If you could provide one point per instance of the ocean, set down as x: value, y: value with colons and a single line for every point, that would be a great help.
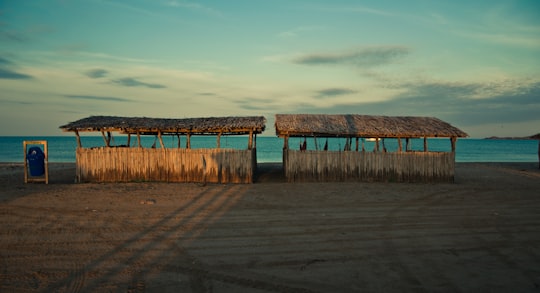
x: 269, y: 149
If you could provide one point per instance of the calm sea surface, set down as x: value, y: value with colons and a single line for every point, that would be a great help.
x: 62, y: 148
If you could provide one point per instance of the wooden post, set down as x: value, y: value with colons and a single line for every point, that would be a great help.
x: 250, y: 142
x: 407, y: 146
x: 363, y: 145
x: 79, y: 145
x: 425, y: 144
x: 160, y: 139
x: 139, y: 138
x: 188, y: 140
x: 539, y: 154
x: 316, y: 145
x: 453, y: 143
x: 357, y: 144
x: 399, y: 144
x: 104, y: 138
x: 218, y: 140
x: 109, y: 138
x: 377, y: 144
x: 178, y: 135
x: 129, y: 140
x: 286, y: 143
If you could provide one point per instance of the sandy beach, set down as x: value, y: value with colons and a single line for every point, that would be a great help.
x: 479, y: 234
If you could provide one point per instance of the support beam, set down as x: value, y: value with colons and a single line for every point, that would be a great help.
x: 105, y: 138
x: 218, y: 140
x: 286, y: 143
x: 139, y: 139
x: 188, y: 140
x: 399, y: 144
x: 129, y: 140
x: 425, y: 144
x: 79, y: 145
x: 160, y: 139
x: 250, y: 143
x: 407, y: 145
x: 453, y: 143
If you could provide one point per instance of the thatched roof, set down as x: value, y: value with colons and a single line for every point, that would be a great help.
x: 144, y: 125
x: 351, y: 125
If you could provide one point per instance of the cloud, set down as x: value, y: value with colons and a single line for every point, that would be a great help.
x: 130, y: 82
x: 457, y: 103
x: 297, y: 30
x: 194, y: 6
x: 363, y: 58
x: 7, y: 73
x: 96, y: 73
x: 98, y: 98
x: 332, y: 92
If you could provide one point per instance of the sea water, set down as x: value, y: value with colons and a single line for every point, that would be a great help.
x: 269, y: 149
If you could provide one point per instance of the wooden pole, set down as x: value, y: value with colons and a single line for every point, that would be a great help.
x: 425, y: 144
x: 218, y: 140
x: 178, y: 135
x: 357, y: 144
x: 539, y: 154
x: 453, y: 143
x: 160, y: 139
x: 407, y: 146
x: 79, y: 145
x: 129, y: 140
x: 316, y: 145
x: 104, y: 138
x: 377, y: 144
x: 250, y: 143
x: 188, y: 140
x: 109, y: 138
x: 286, y: 143
x: 139, y: 138
x: 399, y: 144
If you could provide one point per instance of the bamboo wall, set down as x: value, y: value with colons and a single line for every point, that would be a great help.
x: 165, y: 164
x: 300, y: 166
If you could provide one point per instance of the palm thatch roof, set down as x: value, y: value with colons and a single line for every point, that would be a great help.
x: 151, y: 126
x: 352, y: 125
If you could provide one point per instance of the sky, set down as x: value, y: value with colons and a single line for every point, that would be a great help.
x: 474, y: 64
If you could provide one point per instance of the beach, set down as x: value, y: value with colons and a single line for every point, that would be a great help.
x: 479, y: 234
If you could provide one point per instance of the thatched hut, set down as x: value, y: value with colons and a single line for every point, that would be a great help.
x: 355, y: 163
x: 125, y: 163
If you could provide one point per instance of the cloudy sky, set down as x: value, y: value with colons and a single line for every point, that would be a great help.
x: 475, y: 64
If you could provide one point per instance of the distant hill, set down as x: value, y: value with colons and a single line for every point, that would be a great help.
x: 535, y: 136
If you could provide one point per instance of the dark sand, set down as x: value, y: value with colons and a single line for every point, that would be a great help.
x: 480, y: 234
